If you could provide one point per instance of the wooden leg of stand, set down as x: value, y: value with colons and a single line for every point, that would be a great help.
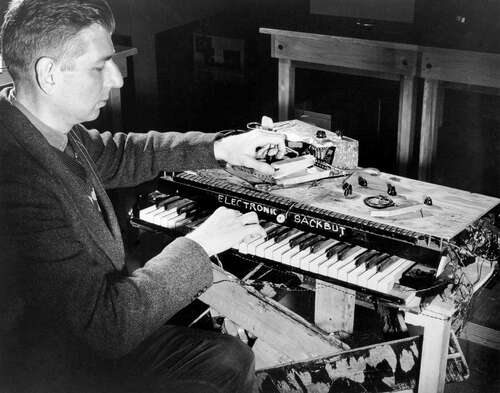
x: 286, y: 89
x: 434, y: 355
x: 334, y: 308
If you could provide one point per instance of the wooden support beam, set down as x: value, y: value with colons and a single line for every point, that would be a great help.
x: 286, y: 89
x: 459, y: 66
x: 432, y: 116
x: 334, y: 308
x: 268, y: 320
x: 481, y: 335
x: 406, y: 123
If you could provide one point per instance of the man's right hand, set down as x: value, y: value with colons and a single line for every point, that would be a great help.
x: 226, y: 228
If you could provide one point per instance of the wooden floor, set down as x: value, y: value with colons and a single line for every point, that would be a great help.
x: 483, y: 351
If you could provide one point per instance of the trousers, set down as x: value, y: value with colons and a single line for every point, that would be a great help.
x: 177, y: 359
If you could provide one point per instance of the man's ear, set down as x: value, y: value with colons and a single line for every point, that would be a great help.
x: 45, y: 69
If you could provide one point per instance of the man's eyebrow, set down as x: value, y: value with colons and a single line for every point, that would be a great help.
x: 106, y: 58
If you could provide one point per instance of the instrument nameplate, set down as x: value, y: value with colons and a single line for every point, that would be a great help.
x: 282, y: 216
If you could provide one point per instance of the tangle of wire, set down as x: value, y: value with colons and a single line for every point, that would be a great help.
x: 480, y: 240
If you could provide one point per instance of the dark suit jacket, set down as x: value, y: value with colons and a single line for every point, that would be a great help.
x: 64, y: 284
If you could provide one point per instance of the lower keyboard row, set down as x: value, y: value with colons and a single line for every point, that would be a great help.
x: 311, y: 253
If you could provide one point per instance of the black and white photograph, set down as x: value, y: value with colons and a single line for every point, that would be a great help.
x: 249, y: 196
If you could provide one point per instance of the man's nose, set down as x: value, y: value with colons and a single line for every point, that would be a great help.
x: 114, y: 77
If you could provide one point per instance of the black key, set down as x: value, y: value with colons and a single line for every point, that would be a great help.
x: 295, y: 236
x: 336, y: 248
x: 282, y: 230
x: 277, y: 232
x: 168, y: 200
x: 175, y: 204
x: 318, y: 245
x: 273, y: 231
x: 308, y: 242
x: 376, y: 260
x: 365, y: 257
x: 266, y: 224
x: 192, y: 212
x: 298, y: 239
x: 187, y: 207
x: 342, y: 254
x: 157, y: 198
x: 284, y: 235
x: 386, y: 263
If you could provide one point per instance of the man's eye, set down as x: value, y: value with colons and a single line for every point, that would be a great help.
x: 99, y: 68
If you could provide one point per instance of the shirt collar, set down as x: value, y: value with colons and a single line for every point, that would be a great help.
x: 55, y: 138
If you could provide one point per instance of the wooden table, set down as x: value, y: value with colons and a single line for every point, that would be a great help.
x: 454, y: 69
x: 378, y: 59
x: 439, y: 68
x: 114, y: 102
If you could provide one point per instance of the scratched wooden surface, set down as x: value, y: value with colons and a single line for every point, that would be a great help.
x: 452, y: 210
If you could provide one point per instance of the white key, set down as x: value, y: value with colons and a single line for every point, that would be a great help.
x: 287, y: 256
x: 252, y: 245
x: 340, y: 270
x: 306, y: 262
x: 151, y: 215
x: 324, y: 266
x: 243, y: 247
x: 161, y: 219
x: 297, y: 258
x: 143, y: 213
x: 373, y: 282
x: 363, y: 278
x: 278, y: 252
x: 261, y: 248
x: 183, y: 223
x: 315, y: 263
x: 268, y: 253
x: 386, y: 284
x: 172, y: 223
x: 333, y: 260
x: 353, y: 275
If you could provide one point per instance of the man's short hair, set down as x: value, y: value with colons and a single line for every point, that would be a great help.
x: 36, y: 28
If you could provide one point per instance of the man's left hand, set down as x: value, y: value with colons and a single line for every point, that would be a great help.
x: 246, y: 149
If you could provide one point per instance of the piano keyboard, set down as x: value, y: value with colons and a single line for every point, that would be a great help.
x: 335, y: 261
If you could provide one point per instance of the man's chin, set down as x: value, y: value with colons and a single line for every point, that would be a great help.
x: 93, y: 115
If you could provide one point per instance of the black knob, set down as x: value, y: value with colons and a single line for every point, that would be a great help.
x: 320, y: 134
x: 280, y: 46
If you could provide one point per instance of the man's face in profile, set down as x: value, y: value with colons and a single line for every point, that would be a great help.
x: 84, y: 83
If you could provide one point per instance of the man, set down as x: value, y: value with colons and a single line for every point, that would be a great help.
x: 73, y: 318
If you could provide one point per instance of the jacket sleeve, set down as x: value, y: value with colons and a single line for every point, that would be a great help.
x: 76, y: 286
x: 129, y: 159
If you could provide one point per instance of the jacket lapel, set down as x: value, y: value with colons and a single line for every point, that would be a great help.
x: 110, y: 242
x: 107, y: 208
